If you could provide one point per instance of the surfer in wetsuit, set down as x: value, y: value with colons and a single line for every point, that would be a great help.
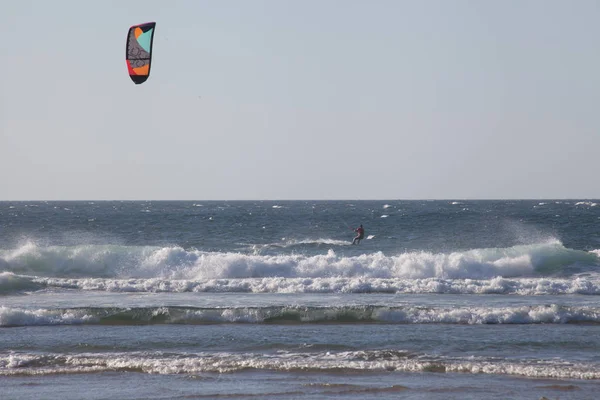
x: 360, y: 234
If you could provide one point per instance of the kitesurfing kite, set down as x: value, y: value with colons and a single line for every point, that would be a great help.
x: 139, y: 51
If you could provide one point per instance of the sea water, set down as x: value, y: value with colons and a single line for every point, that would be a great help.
x: 269, y: 299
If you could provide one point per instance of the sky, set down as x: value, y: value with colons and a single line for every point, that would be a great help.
x: 311, y: 99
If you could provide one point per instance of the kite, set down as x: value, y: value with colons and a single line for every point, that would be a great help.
x: 139, y: 51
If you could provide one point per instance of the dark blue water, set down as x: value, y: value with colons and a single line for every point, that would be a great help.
x: 222, y: 225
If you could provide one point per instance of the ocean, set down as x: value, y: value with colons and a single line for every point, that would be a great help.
x: 454, y: 299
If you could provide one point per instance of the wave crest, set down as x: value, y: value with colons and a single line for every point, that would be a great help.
x: 321, y: 362
x: 549, y: 314
x: 175, y: 263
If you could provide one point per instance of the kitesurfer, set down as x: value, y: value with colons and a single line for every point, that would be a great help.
x: 360, y: 235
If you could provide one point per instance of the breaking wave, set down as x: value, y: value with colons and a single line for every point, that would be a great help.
x: 547, y: 268
x: 546, y: 314
x: 323, y: 362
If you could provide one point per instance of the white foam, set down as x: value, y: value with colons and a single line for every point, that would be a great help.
x: 550, y: 314
x: 586, y: 203
x: 544, y: 286
x: 320, y: 241
x: 22, y: 317
x: 176, y: 263
x: 221, y: 362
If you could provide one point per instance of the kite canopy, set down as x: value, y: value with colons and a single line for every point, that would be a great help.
x: 139, y: 51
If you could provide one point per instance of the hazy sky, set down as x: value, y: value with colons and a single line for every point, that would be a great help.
x: 306, y: 99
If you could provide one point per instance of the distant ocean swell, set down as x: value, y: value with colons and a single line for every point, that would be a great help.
x: 22, y: 363
x: 547, y: 314
x: 122, y: 262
